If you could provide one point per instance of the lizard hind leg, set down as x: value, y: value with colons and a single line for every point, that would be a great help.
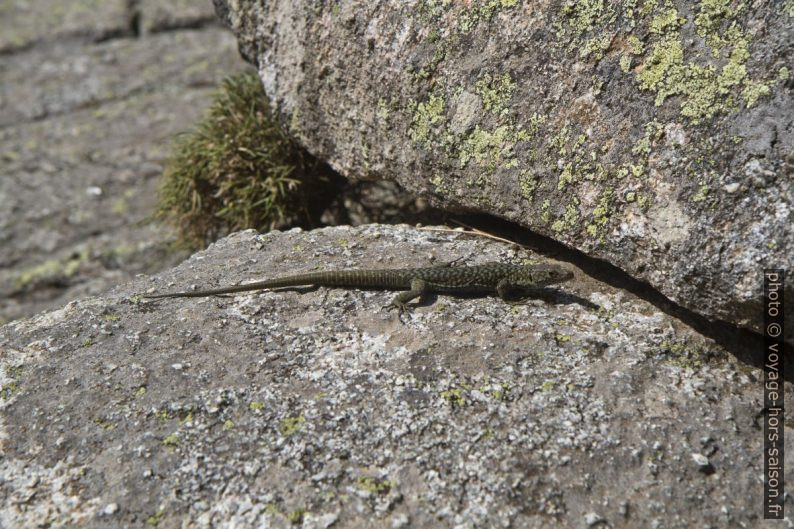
x: 400, y: 301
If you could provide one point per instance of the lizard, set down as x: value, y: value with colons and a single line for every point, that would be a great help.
x: 416, y: 282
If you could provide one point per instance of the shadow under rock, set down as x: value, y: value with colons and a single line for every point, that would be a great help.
x: 746, y: 345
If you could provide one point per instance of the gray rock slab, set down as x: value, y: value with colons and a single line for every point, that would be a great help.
x: 24, y: 23
x: 85, y: 129
x: 317, y: 408
x: 657, y: 136
x: 160, y: 16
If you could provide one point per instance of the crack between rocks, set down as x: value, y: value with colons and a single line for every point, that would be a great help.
x: 745, y: 345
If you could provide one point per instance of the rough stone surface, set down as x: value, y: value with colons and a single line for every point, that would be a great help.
x: 25, y: 24
x: 86, y: 118
x: 317, y: 408
x: 656, y: 135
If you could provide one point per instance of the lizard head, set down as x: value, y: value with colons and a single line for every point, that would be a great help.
x: 548, y: 274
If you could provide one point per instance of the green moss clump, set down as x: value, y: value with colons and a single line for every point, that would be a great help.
x: 238, y: 169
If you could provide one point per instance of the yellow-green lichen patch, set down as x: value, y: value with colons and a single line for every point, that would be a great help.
x: 154, y: 520
x: 454, y: 397
x: 559, y: 141
x: 104, y: 423
x: 783, y: 73
x: 290, y: 425
x: 636, y: 46
x: 12, y: 386
x: 569, y: 219
x: 566, y: 176
x: 625, y: 63
x: 478, y: 10
x: 374, y: 485
x: 706, y: 89
x: 701, y: 194
x: 601, y: 213
x: 491, y: 148
x: 423, y: 116
x: 685, y: 355
x: 753, y: 91
x: 171, y: 440
x: 295, y: 517
x: 705, y: 93
x: 255, y: 405
x: 527, y: 183
x: 666, y: 21
x: 52, y: 270
x: 712, y: 15
x: 544, y: 211
x: 438, y: 183
x: 665, y: 55
x: 495, y: 92
x: 9, y: 390
x: 535, y: 121
x: 584, y: 15
x: 653, y: 131
x: 496, y: 391
x: 596, y: 47
x: 384, y: 110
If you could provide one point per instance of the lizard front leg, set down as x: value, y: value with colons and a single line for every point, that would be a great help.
x: 504, y: 288
x: 418, y: 289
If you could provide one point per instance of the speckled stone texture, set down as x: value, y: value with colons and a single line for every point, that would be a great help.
x: 91, y: 95
x: 317, y: 408
x: 655, y: 135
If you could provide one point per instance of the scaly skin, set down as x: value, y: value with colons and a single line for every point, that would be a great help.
x: 481, y: 279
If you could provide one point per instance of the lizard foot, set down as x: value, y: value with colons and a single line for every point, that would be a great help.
x: 399, y: 306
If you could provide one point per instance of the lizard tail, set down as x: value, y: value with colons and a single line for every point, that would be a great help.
x: 345, y: 278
